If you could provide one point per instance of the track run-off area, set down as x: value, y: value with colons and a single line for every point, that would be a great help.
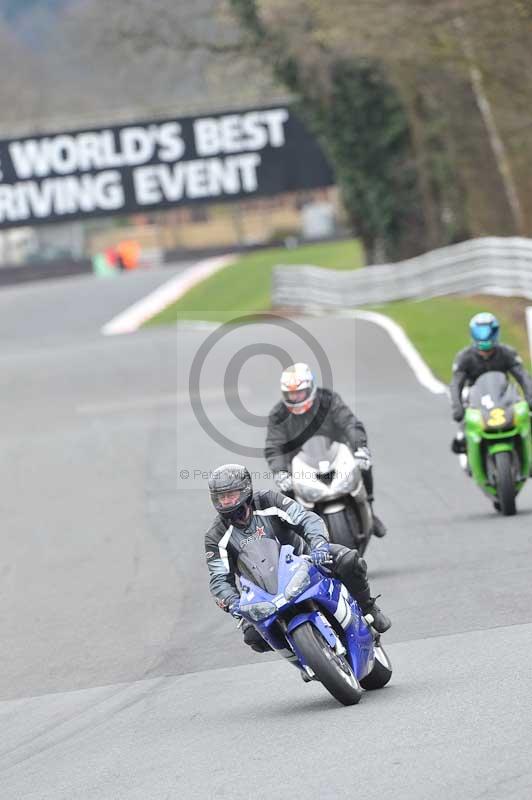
x: 120, y: 678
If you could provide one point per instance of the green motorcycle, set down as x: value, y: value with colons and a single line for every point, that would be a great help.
x: 498, y: 439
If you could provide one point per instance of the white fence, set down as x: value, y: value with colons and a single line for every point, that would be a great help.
x: 529, y: 329
x: 490, y: 265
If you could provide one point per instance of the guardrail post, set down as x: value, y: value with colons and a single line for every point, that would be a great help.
x: 529, y: 328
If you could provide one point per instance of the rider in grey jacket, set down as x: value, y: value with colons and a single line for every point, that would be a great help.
x: 245, y: 516
x: 471, y: 363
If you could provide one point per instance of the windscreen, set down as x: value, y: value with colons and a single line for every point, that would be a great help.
x: 493, y: 390
x: 259, y: 562
x: 319, y: 448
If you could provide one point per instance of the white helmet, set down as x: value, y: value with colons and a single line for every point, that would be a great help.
x: 299, y: 388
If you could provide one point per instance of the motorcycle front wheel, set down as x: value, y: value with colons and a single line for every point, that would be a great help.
x: 330, y: 669
x: 505, y: 483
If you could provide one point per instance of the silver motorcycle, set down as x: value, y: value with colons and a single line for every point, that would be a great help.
x: 327, y: 479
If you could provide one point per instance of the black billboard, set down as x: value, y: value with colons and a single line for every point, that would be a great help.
x: 147, y: 166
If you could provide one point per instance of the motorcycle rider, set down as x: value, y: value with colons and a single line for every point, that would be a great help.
x: 245, y: 515
x: 307, y: 410
x: 485, y: 354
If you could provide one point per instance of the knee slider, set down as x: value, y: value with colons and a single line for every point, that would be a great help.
x: 253, y: 638
x: 250, y: 635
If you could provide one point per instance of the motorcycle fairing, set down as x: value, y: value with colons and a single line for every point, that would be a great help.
x: 497, y: 420
x: 327, y: 594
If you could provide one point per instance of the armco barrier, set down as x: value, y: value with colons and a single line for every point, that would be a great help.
x: 42, y: 271
x: 493, y: 265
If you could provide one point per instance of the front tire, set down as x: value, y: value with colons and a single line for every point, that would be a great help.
x: 505, y: 483
x: 381, y: 672
x: 331, y: 669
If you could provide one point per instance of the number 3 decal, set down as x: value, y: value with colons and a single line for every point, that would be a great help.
x: 497, y: 417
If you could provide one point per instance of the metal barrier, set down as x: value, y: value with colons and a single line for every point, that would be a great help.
x: 43, y: 270
x: 492, y: 265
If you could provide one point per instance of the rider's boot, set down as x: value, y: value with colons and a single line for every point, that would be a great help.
x: 379, y: 529
x: 375, y: 617
x: 458, y: 445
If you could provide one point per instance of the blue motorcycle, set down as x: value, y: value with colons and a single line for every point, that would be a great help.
x: 311, y: 620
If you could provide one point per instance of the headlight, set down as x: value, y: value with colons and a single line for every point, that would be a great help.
x: 258, y: 611
x: 474, y: 417
x: 311, y: 490
x: 346, y: 483
x: 521, y: 413
x: 298, y: 583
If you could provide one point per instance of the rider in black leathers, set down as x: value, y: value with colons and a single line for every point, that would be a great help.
x: 307, y: 411
x: 484, y: 355
x: 245, y: 515
x: 470, y: 364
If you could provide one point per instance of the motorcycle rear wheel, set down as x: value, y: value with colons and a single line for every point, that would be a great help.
x: 505, y: 483
x: 331, y: 669
x: 381, y: 672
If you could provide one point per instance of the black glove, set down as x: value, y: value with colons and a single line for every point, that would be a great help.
x: 458, y: 414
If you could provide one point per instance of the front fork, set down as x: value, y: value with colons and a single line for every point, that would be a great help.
x: 322, y: 625
x: 481, y: 471
x: 478, y: 440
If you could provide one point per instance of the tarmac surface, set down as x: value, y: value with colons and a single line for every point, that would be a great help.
x: 120, y: 678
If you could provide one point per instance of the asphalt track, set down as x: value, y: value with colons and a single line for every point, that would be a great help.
x: 121, y: 680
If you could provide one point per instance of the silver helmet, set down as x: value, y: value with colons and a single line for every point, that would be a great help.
x: 299, y: 388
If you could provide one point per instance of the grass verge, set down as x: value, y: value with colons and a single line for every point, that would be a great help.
x: 439, y: 327
x: 245, y: 286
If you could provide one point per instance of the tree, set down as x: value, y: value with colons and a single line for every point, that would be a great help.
x: 479, y: 52
x: 19, y: 94
x: 358, y: 118
x: 422, y: 105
